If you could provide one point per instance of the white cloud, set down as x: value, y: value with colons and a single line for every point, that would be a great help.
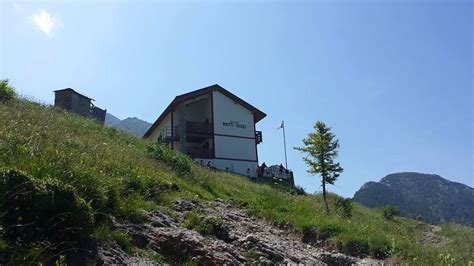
x: 17, y: 6
x: 46, y: 22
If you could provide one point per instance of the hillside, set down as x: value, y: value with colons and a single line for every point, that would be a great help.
x: 430, y: 197
x: 132, y: 125
x: 72, y: 190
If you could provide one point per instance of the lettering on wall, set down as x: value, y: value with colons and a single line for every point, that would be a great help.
x: 234, y: 124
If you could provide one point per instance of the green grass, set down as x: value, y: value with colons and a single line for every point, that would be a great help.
x: 204, y: 225
x: 3, y: 245
x: 114, y: 173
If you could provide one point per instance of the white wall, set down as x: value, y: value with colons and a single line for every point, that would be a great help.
x: 165, y: 123
x: 239, y: 167
x: 231, y: 118
x: 235, y: 148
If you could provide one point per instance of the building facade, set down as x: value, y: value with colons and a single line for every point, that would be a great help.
x: 77, y: 103
x: 214, y: 126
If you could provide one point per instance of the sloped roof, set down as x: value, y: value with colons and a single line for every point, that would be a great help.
x: 71, y: 90
x: 258, y: 115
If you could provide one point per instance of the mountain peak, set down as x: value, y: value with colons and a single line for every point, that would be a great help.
x: 430, y: 196
x: 132, y: 125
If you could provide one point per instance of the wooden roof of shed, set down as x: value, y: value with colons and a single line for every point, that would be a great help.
x: 71, y: 90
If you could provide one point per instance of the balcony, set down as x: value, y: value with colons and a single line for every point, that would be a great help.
x: 168, y: 134
x: 258, y: 137
x: 198, y: 131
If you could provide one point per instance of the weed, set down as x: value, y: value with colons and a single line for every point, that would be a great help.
x: 179, y: 162
x: 205, y: 225
x: 123, y: 240
x: 151, y: 255
x: 3, y: 245
x: 343, y: 207
x: 42, y: 210
x: 60, y: 261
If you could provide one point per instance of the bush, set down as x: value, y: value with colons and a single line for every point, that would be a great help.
x: 329, y: 230
x: 123, y: 240
x: 344, y: 207
x: 293, y: 190
x: 36, y: 211
x: 313, y: 233
x: 177, y: 161
x: 379, y: 247
x: 7, y: 93
x: 310, y: 234
x: 355, y: 247
x: 206, y: 225
x: 3, y: 245
x: 390, y: 211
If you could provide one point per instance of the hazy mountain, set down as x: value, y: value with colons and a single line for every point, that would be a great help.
x: 132, y: 125
x: 434, y: 198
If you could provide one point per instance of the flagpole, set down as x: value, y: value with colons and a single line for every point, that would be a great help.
x: 284, y: 143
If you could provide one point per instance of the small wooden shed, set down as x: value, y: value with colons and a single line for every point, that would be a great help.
x: 77, y: 103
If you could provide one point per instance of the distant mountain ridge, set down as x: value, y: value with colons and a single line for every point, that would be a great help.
x: 432, y: 197
x: 131, y: 125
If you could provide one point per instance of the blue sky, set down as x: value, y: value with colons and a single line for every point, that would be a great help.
x: 392, y: 78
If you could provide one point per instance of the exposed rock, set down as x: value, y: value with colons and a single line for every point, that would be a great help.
x: 432, y: 236
x: 110, y: 253
x: 429, y: 198
x: 249, y: 240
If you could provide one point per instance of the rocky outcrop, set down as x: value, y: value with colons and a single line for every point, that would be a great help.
x: 428, y: 197
x: 248, y: 240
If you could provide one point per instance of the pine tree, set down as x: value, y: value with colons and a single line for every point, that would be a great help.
x: 321, y: 148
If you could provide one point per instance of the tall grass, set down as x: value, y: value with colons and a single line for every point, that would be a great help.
x: 115, y: 173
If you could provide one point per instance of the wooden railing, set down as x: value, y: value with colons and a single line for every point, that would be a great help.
x: 168, y: 134
x: 199, y: 128
x: 258, y: 137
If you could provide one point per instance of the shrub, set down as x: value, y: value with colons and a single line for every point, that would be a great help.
x: 329, y: 230
x: 310, y: 234
x: 390, y: 211
x: 7, y: 93
x: 313, y: 233
x: 299, y: 190
x: 131, y: 208
x: 206, y: 225
x: 123, y: 240
x: 293, y: 190
x: 379, y: 247
x: 355, y: 247
x: 3, y: 245
x: 344, y: 207
x: 177, y: 161
x: 42, y: 211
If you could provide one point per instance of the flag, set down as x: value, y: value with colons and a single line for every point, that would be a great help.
x: 282, y: 125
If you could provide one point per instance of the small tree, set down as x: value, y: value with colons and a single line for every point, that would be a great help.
x: 321, y: 149
x: 6, y: 91
x: 390, y: 211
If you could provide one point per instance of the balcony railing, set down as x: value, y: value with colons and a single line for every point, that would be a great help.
x: 258, y: 137
x: 199, y: 128
x: 168, y: 134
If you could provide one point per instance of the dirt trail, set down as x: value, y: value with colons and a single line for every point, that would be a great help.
x: 432, y: 236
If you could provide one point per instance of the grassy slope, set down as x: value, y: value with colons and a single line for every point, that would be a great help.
x: 102, y: 163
